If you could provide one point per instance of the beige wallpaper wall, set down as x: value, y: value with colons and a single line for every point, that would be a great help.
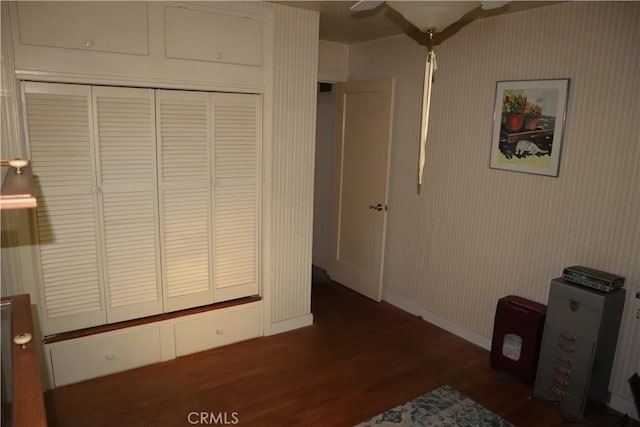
x: 294, y: 115
x: 476, y: 234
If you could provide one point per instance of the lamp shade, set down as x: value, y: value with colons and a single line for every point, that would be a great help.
x: 433, y: 15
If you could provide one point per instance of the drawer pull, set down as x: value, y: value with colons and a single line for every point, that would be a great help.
x: 567, y: 348
x: 567, y: 336
x: 219, y: 331
x: 574, y: 305
x: 560, y: 381
x: 565, y: 359
x: 558, y: 392
x: 562, y: 370
x: 109, y: 356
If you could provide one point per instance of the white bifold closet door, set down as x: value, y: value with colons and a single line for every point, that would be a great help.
x: 209, y: 168
x: 93, y: 154
x: 149, y: 200
x: 236, y: 196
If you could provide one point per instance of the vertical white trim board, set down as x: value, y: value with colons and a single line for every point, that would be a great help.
x: 290, y: 324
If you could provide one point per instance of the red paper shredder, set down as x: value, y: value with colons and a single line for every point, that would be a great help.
x: 517, y: 336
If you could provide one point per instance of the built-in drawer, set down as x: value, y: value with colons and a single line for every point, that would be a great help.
x: 97, y: 355
x: 217, y: 328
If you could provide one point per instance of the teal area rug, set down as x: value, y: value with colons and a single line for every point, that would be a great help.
x: 444, y: 406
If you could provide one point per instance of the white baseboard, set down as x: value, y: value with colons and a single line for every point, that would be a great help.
x: 623, y: 406
x: 616, y: 402
x: 290, y: 324
x: 413, y: 308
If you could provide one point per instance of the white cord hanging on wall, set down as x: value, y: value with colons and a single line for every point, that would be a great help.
x: 429, y: 70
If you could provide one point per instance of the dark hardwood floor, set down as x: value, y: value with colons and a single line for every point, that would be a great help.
x: 357, y: 360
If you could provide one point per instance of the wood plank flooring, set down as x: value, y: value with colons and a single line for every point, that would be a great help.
x: 358, y: 359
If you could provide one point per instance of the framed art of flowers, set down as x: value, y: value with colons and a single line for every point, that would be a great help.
x: 528, y: 125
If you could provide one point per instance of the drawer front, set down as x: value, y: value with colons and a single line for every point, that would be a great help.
x: 567, y: 349
x: 575, y: 308
x: 91, y: 357
x: 217, y: 328
x: 566, y: 378
x: 570, y: 403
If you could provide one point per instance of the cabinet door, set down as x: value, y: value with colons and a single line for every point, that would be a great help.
x: 59, y: 130
x: 236, y: 165
x: 125, y: 147
x: 184, y: 157
x: 102, y: 26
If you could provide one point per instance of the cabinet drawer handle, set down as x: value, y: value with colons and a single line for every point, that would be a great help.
x: 219, y: 331
x: 565, y: 359
x: 558, y: 392
x: 567, y: 336
x: 567, y: 348
x: 560, y: 381
x: 562, y: 370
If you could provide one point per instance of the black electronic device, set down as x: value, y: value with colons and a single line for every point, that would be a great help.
x: 634, y: 383
x: 592, y: 278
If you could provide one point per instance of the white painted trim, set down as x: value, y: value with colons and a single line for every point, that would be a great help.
x: 290, y: 324
x: 411, y: 307
x: 623, y: 406
x: 267, y: 175
x: 96, y: 79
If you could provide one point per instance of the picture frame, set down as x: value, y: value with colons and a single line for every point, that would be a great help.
x: 528, y: 125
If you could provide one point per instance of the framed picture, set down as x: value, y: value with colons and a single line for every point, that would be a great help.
x: 528, y: 125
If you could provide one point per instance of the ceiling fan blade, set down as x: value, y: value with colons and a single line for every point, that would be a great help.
x: 488, y: 5
x: 366, y: 5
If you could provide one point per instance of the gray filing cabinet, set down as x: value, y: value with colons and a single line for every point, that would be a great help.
x: 578, y: 346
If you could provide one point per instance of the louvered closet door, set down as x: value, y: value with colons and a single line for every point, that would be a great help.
x: 124, y: 121
x: 183, y: 129
x: 60, y: 138
x: 236, y: 166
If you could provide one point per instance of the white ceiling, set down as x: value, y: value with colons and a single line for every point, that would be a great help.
x: 339, y: 24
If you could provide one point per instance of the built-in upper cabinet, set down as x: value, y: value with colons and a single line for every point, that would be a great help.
x: 119, y: 27
x: 212, y: 36
x: 218, y: 46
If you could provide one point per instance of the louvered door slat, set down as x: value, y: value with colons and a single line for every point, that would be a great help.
x: 125, y: 143
x: 59, y: 131
x: 185, y: 191
x: 236, y: 170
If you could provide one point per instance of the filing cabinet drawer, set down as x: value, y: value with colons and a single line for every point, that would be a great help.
x: 555, y: 372
x: 573, y: 354
x: 547, y: 391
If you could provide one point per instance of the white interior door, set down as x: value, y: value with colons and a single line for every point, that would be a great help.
x: 361, y: 174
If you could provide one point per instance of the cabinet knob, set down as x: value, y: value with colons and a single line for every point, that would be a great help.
x: 219, y: 331
x: 22, y: 339
x: 88, y: 43
x: 109, y: 356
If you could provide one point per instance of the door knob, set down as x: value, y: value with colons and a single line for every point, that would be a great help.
x: 378, y: 207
